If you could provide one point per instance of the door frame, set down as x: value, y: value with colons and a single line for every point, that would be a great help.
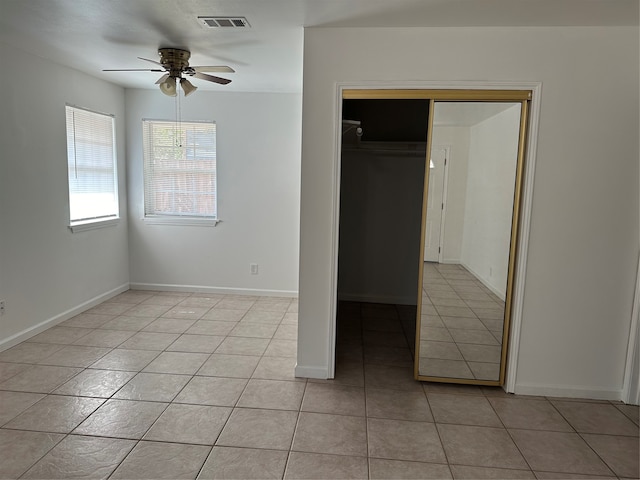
x: 525, y: 202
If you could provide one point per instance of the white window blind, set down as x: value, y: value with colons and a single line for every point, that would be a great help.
x: 179, y: 169
x: 91, y: 159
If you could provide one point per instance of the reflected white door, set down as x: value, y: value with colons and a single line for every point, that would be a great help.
x: 435, y: 205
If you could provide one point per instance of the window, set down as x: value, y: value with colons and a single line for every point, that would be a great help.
x: 179, y: 170
x: 91, y: 160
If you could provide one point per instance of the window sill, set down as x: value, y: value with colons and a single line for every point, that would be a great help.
x: 182, y: 221
x: 93, y: 224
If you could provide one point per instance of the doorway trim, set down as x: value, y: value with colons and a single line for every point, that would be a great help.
x: 525, y: 204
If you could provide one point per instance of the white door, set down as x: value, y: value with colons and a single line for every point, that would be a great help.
x: 435, y: 204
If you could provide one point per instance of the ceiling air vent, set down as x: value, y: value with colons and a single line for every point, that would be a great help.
x: 224, y: 22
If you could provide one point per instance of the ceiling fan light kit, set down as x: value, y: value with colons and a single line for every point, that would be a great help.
x: 175, y: 64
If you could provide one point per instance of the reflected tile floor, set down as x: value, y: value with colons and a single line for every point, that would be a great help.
x: 188, y: 385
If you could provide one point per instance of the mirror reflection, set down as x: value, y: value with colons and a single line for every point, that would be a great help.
x: 468, y: 227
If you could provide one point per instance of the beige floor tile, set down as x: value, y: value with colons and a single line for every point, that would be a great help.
x: 435, y: 367
x: 152, y: 311
x: 398, y: 405
x: 88, y: 320
x: 243, y: 346
x: 121, y: 419
x: 596, y: 418
x: 197, y: 424
x: 211, y: 327
x: 95, y: 383
x: 463, y: 410
x: 229, y: 303
x: 485, y: 371
x: 282, y: 348
x: 60, y: 335
x: 558, y: 452
x: 480, y: 353
x: 334, y: 399
x: 318, y: 466
x: 620, y: 453
x: 255, y: 330
x: 291, y: 317
x: 465, y: 312
x: 224, y: 315
x: 169, y: 325
x: 632, y: 412
x: 150, y: 341
x: 391, y: 356
x: 441, y: 350
x: 104, y: 338
x: 462, y: 323
x: 237, y: 366
x: 28, y: 353
x: 571, y: 476
x: 166, y: 300
x: 480, y: 446
x: 55, y: 413
x: 14, y: 403
x: 124, y: 359
x: 461, y: 472
x: 277, y: 368
x: 110, y: 308
x: 263, y: 316
x: 75, y: 356
x: 196, y: 343
x: 81, y: 457
x: 395, y: 378
x: 131, y: 296
x: 529, y: 414
x: 451, y: 388
x: 347, y: 373
x: 383, y: 469
x: 384, y: 339
x: 272, y: 394
x: 155, y: 460
x: 331, y: 434
x: 186, y: 312
x: 436, y: 334
x: 222, y: 392
x: 287, y: 332
x: 157, y: 387
x: 8, y: 370
x: 255, y: 428
x: 177, y: 362
x: 479, y: 337
x: 127, y: 322
x: 204, y: 300
x: 20, y: 450
x: 39, y: 379
x: 404, y: 440
x: 245, y: 463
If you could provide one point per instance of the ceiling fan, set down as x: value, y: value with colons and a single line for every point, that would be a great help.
x: 175, y: 63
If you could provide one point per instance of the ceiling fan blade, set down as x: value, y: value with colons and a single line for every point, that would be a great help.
x: 152, y: 61
x: 134, y: 70
x: 211, y: 78
x: 220, y: 69
x: 162, y: 79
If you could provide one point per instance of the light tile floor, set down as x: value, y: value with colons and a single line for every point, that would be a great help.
x: 461, y: 325
x: 158, y: 385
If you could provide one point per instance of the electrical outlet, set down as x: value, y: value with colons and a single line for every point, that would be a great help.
x: 253, y: 268
x: 2, y: 307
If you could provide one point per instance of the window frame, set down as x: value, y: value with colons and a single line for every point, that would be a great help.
x: 187, y: 219
x: 97, y: 221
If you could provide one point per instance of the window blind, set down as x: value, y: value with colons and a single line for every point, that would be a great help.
x: 91, y: 161
x: 180, y: 169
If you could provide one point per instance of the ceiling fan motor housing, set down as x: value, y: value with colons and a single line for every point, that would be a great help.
x: 175, y: 61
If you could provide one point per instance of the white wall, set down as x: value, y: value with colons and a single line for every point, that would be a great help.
x: 258, y: 159
x: 47, y: 272
x: 584, y: 224
x: 493, y: 158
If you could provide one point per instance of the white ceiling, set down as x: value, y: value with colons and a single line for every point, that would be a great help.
x: 91, y: 35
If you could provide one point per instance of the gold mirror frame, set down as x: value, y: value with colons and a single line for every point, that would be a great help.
x: 472, y: 95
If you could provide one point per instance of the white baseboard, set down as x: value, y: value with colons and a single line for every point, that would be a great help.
x: 163, y: 287
x: 311, y: 372
x: 499, y: 293
x: 576, y: 391
x: 66, y: 315
x: 373, y: 298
